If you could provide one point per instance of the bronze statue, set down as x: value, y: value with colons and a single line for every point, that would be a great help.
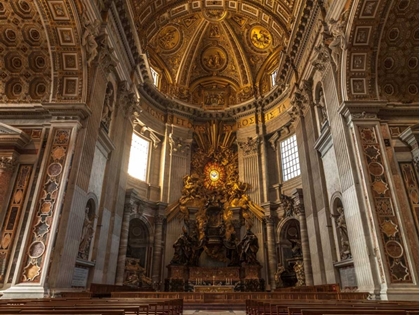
x: 248, y: 249
x: 183, y: 250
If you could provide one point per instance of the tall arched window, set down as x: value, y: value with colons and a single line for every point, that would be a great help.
x: 139, y: 157
x: 289, y: 158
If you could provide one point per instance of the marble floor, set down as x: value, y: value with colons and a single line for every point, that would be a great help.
x: 212, y: 312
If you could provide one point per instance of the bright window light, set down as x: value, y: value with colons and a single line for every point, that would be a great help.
x: 139, y: 157
x: 289, y: 158
x: 155, y: 76
x: 273, y: 77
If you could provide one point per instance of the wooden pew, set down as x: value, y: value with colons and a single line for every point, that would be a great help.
x: 293, y: 307
x: 131, y: 306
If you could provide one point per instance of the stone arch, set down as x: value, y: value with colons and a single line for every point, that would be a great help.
x: 61, y: 21
x: 289, y: 250
x: 138, y: 255
x: 366, y: 76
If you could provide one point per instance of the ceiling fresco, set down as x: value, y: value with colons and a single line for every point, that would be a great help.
x: 213, y: 54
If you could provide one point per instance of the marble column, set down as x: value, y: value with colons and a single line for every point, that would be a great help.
x: 272, y: 259
x: 299, y: 211
x: 158, y: 246
x: 128, y: 210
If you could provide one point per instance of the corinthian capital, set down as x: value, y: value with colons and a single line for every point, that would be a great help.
x: 250, y: 146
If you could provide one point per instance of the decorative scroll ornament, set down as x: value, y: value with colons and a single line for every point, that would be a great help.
x: 286, y: 203
x: 250, y: 146
x: 273, y: 140
x: 321, y: 58
x: 7, y: 163
x: 298, y: 104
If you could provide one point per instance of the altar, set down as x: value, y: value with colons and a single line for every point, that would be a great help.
x: 214, y: 288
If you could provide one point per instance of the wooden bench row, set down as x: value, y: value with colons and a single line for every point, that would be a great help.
x: 93, y: 306
x: 317, y: 307
x: 334, y: 287
x: 233, y: 297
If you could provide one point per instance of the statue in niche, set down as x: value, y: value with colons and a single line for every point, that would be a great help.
x: 296, y: 247
x: 248, y: 248
x: 183, y: 250
x: 108, y: 107
x: 340, y: 222
x: 87, y: 234
x: 321, y: 106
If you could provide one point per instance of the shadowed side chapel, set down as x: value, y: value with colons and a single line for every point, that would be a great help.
x: 209, y: 146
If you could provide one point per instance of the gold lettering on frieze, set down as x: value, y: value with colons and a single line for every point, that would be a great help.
x: 183, y: 122
x: 249, y: 121
x: 154, y: 113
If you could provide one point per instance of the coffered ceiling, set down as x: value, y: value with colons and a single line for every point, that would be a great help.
x: 213, y: 54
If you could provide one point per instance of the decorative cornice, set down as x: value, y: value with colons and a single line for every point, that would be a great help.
x: 13, y: 137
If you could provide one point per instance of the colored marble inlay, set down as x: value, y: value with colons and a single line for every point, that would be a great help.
x: 40, y: 238
x: 391, y: 239
x: 13, y: 214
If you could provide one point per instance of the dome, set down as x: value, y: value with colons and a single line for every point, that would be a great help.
x: 213, y: 54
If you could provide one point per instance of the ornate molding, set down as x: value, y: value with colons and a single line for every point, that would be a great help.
x: 321, y: 58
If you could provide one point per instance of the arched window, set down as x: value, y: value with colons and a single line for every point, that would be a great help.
x: 289, y: 158
x: 139, y: 157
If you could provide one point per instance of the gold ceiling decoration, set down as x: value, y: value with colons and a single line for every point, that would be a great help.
x: 213, y: 55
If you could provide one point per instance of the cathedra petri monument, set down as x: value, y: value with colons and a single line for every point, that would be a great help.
x: 210, y: 255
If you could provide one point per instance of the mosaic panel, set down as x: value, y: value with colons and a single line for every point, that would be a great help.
x: 391, y: 239
x: 39, y: 239
x: 14, y: 211
x: 412, y: 188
